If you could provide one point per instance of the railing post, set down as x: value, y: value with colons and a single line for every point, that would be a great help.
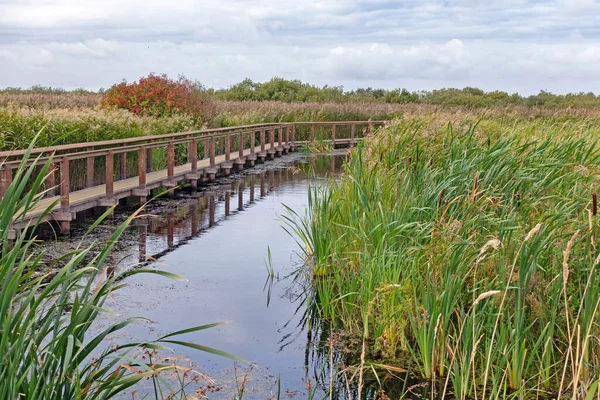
x: 171, y: 160
x: 149, y: 160
x: 287, y: 135
x: 280, y: 135
x: 333, y: 131
x: 194, y: 155
x: 123, y: 164
x: 89, y: 182
x: 252, y: 141
x: 3, y: 187
x: 142, y: 173
x: 352, y: 133
x: 110, y: 178
x: 262, y: 140
x: 272, y: 138
x: 64, y: 184
x: 211, y: 147
x: 241, y: 145
x: 6, y: 176
x: 51, y: 180
x: 65, y: 203
x: 227, y: 147
x: 312, y: 133
x: 6, y: 179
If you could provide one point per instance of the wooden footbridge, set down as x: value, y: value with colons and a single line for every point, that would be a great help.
x: 83, y: 176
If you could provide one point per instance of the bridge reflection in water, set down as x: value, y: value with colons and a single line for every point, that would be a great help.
x: 174, y: 222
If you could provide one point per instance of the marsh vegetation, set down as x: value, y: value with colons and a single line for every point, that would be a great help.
x: 465, y: 256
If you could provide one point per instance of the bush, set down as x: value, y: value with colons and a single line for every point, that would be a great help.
x: 160, y: 96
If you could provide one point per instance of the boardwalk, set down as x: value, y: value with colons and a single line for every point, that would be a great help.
x: 223, y: 150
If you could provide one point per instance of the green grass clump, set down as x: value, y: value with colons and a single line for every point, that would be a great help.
x: 470, y: 250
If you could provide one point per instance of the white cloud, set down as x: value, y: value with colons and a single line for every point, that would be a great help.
x: 515, y: 45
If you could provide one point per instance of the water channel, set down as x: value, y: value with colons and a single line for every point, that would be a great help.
x: 219, y: 238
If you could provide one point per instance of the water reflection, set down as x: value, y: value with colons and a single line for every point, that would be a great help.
x: 219, y: 239
x: 195, y: 213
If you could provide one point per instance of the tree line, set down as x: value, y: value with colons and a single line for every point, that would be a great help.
x: 296, y: 91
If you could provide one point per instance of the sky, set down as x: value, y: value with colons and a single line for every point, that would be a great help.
x: 511, y: 45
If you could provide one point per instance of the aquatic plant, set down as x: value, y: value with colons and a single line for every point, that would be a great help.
x: 469, y: 248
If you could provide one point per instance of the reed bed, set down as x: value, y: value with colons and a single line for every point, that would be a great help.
x: 18, y: 127
x: 466, y: 254
x: 72, y: 117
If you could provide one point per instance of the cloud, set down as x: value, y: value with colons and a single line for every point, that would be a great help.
x: 513, y: 45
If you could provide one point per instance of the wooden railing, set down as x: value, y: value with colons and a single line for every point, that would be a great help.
x: 222, y: 148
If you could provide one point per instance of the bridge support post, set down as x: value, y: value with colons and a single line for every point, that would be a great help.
x: 280, y: 136
x: 241, y: 160
x: 226, y: 166
x: 333, y: 132
x: 51, y: 180
x: 271, y: 151
x: 227, y: 147
x: 262, y: 155
x: 123, y: 164
x: 109, y: 201
x: 141, y: 191
x: 65, y: 204
x: 89, y: 182
x: 211, y: 172
x: 6, y: 179
x: 252, y: 158
x: 170, y: 182
x: 149, y: 160
x: 193, y: 158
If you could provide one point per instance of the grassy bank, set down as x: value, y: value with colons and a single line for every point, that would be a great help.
x: 469, y: 251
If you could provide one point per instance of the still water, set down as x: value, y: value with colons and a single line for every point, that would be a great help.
x: 219, y: 239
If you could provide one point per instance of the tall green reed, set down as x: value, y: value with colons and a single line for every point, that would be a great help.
x: 470, y: 224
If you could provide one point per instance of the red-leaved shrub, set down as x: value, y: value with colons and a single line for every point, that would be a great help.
x: 159, y: 95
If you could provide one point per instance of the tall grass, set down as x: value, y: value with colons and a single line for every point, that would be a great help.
x: 48, y: 349
x: 469, y: 250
